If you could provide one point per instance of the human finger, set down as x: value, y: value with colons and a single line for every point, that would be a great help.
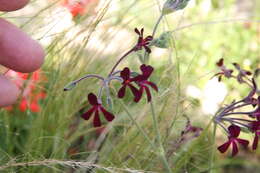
x: 8, y: 92
x: 12, y: 5
x: 18, y: 51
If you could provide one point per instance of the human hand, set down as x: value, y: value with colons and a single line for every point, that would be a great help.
x: 17, y: 52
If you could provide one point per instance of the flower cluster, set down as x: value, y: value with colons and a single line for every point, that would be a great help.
x: 233, y: 114
x: 31, y: 95
x: 138, y: 83
x: 141, y: 80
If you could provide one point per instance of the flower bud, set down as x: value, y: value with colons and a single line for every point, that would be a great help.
x: 171, y: 6
x: 163, y: 41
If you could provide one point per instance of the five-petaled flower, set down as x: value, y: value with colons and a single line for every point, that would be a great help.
x: 96, y: 108
x: 255, y: 127
x: 142, y: 81
x: 143, y: 42
x: 233, y: 139
x: 224, y: 71
x: 125, y: 74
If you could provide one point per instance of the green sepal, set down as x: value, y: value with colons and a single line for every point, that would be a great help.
x: 163, y: 41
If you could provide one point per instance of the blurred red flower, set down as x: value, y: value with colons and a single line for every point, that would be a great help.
x: 79, y: 7
x: 31, y: 94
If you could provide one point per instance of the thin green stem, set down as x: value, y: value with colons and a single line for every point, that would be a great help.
x: 137, y: 125
x: 121, y: 59
x: 146, y: 55
x: 212, y: 158
x: 158, y: 135
x: 156, y: 25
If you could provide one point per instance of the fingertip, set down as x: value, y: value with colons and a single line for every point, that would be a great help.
x: 8, y: 92
x: 33, y: 61
x: 12, y: 5
x: 18, y: 51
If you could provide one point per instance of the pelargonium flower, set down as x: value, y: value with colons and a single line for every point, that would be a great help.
x: 190, y: 132
x: 96, y: 108
x: 127, y: 82
x: 142, y: 81
x: 242, y: 73
x: 255, y: 127
x: 143, y: 42
x: 224, y: 71
x: 233, y: 139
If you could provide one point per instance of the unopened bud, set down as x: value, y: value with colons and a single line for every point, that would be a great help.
x: 171, y: 6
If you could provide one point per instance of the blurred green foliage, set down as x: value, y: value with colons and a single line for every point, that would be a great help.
x: 200, y: 35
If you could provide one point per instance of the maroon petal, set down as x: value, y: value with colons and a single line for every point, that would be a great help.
x: 219, y: 78
x: 147, y: 70
x: 121, y: 92
x: 234, y: 148
x: 243, y: 142
x: 96, y: 121
x: 255, y: 142
x: 137, y: 31
x: 153, y: 85
x: 88, y: 114
x: 220, y: 62
x: 234, y: 131
x: 148, y: 38
x: 92, y: 99
x: 223, y: 148
x: 142, y: 32
x: 109, y: 116
x: 147, y: 49
x: 134, y: 90
x: 139, y: 78
x: 149, y: 97
x: 248, y: 73
x: 125, y: 73
x: 138, y: 97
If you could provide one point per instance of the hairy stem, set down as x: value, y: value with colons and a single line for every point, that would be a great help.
x: 212, y: 158
x: 146, y: 55
x: 121, y: 59
x: 161, y: 149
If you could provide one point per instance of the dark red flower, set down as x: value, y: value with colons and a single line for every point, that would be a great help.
x: 96, y: 108
x: 142, y: 81
x: 127, y: 82
x: 255, y: 127
x: 233, y: 139
x: 224, y: 71
x: 190, y: 132
x: 143, y: 42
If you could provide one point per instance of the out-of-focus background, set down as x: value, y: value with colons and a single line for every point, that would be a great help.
x: 88, y: 36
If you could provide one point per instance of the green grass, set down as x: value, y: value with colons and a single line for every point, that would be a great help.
x: 139, y: 138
